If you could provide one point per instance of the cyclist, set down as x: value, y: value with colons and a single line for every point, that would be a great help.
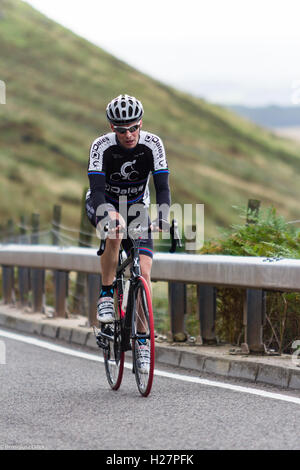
x: 120, y: 165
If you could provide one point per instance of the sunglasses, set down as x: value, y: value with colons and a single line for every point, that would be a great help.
x: 123, y: 130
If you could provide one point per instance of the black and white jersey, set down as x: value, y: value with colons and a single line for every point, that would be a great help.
x: 115, y: 171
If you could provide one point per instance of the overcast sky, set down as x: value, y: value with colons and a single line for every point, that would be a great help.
x: 230, y: 52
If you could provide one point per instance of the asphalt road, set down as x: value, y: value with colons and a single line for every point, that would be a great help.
x: 50, y: 400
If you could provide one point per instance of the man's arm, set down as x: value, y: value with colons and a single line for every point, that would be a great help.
x: 163, y: 196
x: 97, y: 186
x: 97, y: 178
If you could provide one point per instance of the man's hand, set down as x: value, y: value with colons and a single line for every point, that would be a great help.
x: 160, y: 225
x: 117, y: 225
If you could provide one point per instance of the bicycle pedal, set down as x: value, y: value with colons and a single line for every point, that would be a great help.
x: 126, y: 346
x: 101, y: 344
x: 108, y: 330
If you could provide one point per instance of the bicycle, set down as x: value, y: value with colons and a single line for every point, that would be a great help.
x: 133, y: 327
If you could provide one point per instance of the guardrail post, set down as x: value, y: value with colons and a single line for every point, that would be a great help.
x: 177, y: 310
x: 8, y: 271
x: 85, y: 236
x: 252, y: 211
x: 61, y: 293
x: 93, y: 287
x: 23, y: 273
x: 8, y: 284
x: 10, y: 231
x: 254, y: 303
x: 24, y: 285
x: 254, y: 319
x: 56, y: 224
x: 37, y: 275
x: 61, y: 278
x: 206, y: 296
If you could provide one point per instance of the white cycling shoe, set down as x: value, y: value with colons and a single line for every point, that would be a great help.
x: 143, y: 358
x: 105, y: 310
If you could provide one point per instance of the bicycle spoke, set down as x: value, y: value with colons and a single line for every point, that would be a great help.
x: 143, y: 338
x: 113, y: 355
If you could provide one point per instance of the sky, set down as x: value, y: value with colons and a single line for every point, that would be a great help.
x: 228, y: 52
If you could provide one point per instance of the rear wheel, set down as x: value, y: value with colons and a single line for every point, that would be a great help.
x: 113, y: 354
x: 143, y: 344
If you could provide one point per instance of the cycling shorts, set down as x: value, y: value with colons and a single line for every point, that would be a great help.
x: 146, y: 243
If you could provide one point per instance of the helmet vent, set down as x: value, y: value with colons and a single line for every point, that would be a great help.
x: 124, y: 109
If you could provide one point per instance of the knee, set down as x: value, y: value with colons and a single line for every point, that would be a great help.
x: 113, y: 244
x: 146, y: 275
x: 146, y: 270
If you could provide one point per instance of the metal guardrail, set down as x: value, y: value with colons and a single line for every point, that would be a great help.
x: 207, y: 271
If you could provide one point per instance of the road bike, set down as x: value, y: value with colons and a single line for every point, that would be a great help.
x: 133, y: 328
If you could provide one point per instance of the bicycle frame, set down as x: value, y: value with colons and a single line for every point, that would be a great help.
x: 126, y: 317
x: 127, y: 328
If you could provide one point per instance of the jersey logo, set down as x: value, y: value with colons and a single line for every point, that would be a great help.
x: 127, y: 172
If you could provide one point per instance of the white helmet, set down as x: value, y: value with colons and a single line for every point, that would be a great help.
x: 124, y: 109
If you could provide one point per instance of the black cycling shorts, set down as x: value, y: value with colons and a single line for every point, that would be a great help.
x: 146, y: 243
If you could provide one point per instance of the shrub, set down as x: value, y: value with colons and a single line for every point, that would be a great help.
x: 267, y: 235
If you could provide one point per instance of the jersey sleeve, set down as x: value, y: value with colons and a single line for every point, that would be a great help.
x: 96, y: 160
x: 163, y: 196
x: 159, y: 163
x: 96, y: 173
x: 160, y: 173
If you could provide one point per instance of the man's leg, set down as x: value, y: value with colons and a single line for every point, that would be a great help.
x: 109, y: 262
x: 146, y: 265
x: 143, y: 351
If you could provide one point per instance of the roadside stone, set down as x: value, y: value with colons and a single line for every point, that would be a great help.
x: 51, y: 331
x: 91, y: 342
x: 79, y: 336
x: 20, y: 324
x: 273, y: 375
x: 246, y: 370
x: 65, y: 334
x: 216, y: 366
x: 167, y: 355
x: 191, y: 361
x: 295, y: 379
x: 28, y: 327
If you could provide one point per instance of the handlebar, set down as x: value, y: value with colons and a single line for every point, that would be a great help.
x: 136, y: 231
x: 176, y: 240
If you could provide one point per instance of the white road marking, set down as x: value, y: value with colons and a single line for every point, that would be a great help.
x: 93, y: 357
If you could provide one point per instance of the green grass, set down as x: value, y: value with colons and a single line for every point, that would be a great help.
x: 58, y: 86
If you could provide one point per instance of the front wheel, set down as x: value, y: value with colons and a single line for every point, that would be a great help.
x: 113, y: 353
x: 143, y: 344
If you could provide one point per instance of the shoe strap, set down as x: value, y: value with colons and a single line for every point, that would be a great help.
x: 105, y: 299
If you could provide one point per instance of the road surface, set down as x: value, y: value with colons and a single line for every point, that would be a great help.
x: 60, y: 399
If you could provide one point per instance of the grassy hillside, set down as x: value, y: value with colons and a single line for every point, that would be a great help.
x: 58, y: 86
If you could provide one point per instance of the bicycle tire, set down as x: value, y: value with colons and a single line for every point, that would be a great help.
x: 144, y: 317
x: 113, y: 355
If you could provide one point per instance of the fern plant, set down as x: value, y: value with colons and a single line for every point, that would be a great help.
x: 266, y: 235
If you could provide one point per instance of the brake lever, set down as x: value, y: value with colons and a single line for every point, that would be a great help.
x: 176, y: 241
x: 103, y: 240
